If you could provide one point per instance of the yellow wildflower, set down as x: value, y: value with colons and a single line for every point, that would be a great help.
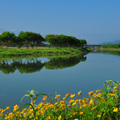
x: 74, y: 113
x: 1, y: 114
x: 103, y: 114
x: 72, y: 95
x: 57, y: 96
x: 93, y: 108
x: 81, y: 113
x: 91, y: 101
x: 115, y: 87
x: 115, y: 110
x: 59, y: 118
x: 90, y: 93
x: 99, y: 94
x: 45, y: 97
x: 80, y: 106
x: 63, y: 106
x: 62, y: 102
x: 16, y: 107
x: 67, y: 95
x: 48, y: 118
x: 7, y: 108
x: 98, y: 115
x: 74, y: 104
x: 112, y: 94
x: 64, y: 98
x: 71, y: 101
x: 79, y: 92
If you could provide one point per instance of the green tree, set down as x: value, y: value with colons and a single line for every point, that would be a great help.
x: 8, y: 38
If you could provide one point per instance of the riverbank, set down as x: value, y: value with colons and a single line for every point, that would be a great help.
x: 110, y: 49
x: 41, y: 51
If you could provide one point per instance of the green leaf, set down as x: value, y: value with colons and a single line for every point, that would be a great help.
x: 27, y: 104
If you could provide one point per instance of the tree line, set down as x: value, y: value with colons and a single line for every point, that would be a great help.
x: 31, y: 39
x: 64, y: 41
x: 111, y: 45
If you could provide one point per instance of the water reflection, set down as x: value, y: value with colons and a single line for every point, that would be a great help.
x: 34, y: 65
x: 111, y: 52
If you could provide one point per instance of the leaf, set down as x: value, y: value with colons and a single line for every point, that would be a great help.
x: 26, y: 95
x: 27, y: 104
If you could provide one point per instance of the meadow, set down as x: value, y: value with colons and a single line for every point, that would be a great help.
x: 101, y: 104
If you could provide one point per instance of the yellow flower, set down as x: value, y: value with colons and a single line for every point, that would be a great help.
x: 45, y: 97
x: 115, y: 110
x: 79, y: 92
x: 59, y: 118
x: 81, y: 113
x: 63, y: 106
x: 112, y: 94
x: 91, y: 101
x: 71, y: 101
x: 67, y: 95
x: 57, y: 96
x: 62, y: 102
x: 48, y: 118
x: 98, y: 115
x: 7, y: 108
x: 74, y: 104
x: 93, y: 108
x: 103, y: 114
x: 74, y: 113
x: 115, y: 87
x: 90, y: 93
x: 64, y: 98
x: 16, y: 107
x: 72, y: 95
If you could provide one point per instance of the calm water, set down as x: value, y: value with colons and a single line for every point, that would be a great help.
x: 61, y: 75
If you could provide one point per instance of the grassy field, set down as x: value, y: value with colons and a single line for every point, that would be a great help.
x: 39, y: 51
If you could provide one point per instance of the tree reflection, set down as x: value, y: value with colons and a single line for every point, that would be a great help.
x: 23, y: 66
x: 34, y: 65
x: 60, y: 63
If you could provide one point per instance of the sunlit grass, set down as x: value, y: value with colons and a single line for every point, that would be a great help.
x: 40, y: 51
x: 100, y: 105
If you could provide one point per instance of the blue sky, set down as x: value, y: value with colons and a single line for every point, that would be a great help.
x: 96, y: 21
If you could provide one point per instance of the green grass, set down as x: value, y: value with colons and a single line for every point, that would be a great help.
x: 43, y: 51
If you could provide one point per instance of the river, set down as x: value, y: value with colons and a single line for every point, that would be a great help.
x: 69, y: 74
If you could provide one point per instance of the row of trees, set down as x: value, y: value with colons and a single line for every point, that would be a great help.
x: 35, y: 39
x: 64, y: 41
x: 111, y: 45
x: 24, y: 38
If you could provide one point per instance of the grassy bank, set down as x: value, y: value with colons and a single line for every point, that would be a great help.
x: 110, y: 49
x: 100, y: 105
x: 40, y: 51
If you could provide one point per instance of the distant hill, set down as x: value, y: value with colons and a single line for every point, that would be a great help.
x: 112, y: 42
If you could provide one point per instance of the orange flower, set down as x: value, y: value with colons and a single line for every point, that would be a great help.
x: 57, y: 96
x: 90, y: 93
x: 45, y: 97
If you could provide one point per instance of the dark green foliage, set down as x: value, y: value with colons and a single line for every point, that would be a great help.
x: 7, y: 38
x: 29, y: 39
x: 64, y: 41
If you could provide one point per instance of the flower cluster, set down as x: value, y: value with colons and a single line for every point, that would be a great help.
x: 99, y: 104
